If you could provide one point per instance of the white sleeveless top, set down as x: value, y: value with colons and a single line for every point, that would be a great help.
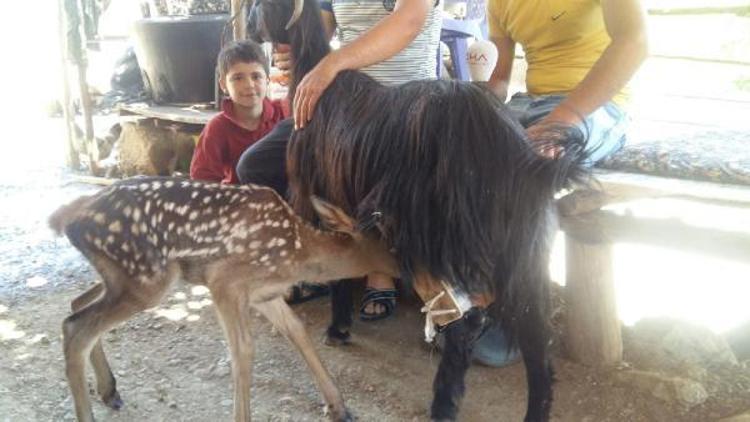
x: 417, y: 61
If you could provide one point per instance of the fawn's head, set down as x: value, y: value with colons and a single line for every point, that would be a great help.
x: 364, y: 250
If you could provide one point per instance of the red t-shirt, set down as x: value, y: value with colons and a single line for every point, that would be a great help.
x: 223, y: 140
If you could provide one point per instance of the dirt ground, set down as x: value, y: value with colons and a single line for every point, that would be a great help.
x: 171, y: 363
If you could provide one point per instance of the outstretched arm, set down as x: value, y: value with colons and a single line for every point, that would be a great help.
x: 384, y: 40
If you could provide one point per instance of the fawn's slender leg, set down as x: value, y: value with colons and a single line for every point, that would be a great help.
x: 283, y: 318
x: 106, y: 385
x: 231, y: 303
x: 123, y: 297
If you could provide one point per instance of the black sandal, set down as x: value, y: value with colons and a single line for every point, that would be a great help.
x: 384, y: 297
x: 304, y: 292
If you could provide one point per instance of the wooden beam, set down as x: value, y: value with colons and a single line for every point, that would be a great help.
x: 666, y: 232
x: 71, y: 153
x: 239, y: 20
x: 630, y: 185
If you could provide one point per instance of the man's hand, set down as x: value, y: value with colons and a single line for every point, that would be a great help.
x: 311, y: 88
x: 283, y: 60
x: 545, y: 136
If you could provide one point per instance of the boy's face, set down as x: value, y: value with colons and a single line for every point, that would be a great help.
x: 246, y: 83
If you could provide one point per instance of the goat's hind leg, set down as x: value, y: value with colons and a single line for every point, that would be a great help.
x: 533, y: 339
x: 106, y: 385
x: 284, y: 319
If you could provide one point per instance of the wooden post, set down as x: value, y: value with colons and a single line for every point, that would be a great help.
x: 71, y: 153
x: 239, y: 20
x: 593, y: 327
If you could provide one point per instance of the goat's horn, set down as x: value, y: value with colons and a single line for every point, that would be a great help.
x: 298, y: 5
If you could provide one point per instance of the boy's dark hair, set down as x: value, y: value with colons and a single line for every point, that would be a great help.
x: 245, y: 51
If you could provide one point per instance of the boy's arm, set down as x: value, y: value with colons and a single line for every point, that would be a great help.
x: 625, y: 24
x: 384, y: 40
x: 208, y: 157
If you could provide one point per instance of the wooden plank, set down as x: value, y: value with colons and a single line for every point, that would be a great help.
x: 182, y: 114
x: 94, y: 180
x: 628, y: 186
x: 669, y: 233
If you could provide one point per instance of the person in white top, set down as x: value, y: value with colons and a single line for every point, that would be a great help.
x: 393, y: 41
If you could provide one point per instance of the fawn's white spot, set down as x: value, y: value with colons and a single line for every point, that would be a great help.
x: 255, y: 244
x: 193, y: 215
x: 115, y: 226
x: 136, y: 215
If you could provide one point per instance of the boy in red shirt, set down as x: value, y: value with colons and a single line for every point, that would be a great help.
x: 247, y: 115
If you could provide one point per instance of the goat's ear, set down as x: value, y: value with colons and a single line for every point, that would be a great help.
x: 332, y: 216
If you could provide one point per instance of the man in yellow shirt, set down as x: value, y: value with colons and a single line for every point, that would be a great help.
x: 581, y: 55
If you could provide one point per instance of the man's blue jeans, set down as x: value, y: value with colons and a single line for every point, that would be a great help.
x: 604, y: 128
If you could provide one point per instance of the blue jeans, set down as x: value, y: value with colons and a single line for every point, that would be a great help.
x: 604, y: 128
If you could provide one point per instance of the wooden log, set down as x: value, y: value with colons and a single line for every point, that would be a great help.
x: 593, y: 327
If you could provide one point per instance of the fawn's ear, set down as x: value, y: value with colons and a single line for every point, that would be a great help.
x: 332, y: 216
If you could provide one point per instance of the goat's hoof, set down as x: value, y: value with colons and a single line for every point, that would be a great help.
x: 113, y: 401
x: 337, y: 338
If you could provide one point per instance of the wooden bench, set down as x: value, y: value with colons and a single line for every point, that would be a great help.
x: 591, y: 226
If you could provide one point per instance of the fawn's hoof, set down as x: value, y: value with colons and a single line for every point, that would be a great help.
x: 113, y: 401
x: 345, y: 416
x: 335, y: 337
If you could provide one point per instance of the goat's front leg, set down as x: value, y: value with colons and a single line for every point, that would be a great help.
x: 449, y: 386
x: 341, y: 313
x: 284, y: 319
x: 231, y: 303
x: 106, y: 385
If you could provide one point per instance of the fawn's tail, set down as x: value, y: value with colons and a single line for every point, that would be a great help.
x: 60, y: 219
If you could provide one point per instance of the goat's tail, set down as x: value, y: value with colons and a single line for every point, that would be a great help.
x: 64, y: 215
x: 571, y: 164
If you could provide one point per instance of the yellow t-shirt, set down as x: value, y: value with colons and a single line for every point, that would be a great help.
x: 562, y: 39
